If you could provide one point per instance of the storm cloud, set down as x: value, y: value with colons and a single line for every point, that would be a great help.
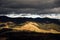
x: 28, y: 3
x: 43, y: 6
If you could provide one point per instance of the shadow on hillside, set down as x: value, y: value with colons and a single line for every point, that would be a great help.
x: 26, y: 35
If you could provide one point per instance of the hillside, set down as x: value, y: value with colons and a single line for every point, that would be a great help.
x: 32, y: 26
x: 44, y: 25
x: 29, y: 28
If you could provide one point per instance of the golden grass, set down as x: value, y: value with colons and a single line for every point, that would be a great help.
x: 33, y: 26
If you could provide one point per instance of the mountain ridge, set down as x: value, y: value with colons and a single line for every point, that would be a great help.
x: 20, y: 20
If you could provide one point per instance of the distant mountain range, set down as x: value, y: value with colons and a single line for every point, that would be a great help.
x: 24, y: 19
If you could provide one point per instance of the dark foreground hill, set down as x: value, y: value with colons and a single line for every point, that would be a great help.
x: 25, y: 35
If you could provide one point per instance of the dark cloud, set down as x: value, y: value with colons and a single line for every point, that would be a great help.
x: 27, y: 3
x: 7, y: 6
x: 57, y: 2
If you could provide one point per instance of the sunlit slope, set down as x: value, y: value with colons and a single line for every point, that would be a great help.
x: 33, y: 26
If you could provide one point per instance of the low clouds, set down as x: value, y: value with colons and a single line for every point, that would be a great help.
x: 53, y: 16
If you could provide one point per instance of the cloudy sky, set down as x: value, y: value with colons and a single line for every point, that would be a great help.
x: 44, y: 6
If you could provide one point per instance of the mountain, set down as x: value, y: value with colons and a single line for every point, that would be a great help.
x: 30, y: 31
x: 33, y: 26
x: 22, y: 20
x: 44, y: 25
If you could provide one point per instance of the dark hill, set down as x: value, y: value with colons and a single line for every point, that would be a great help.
x: 21, y: 20
x: 23, y: 35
